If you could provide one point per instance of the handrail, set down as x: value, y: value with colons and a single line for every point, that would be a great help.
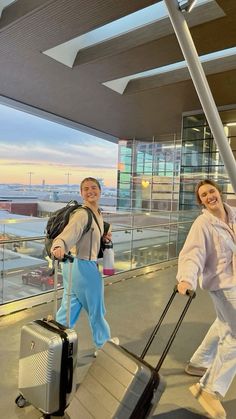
x: 156, y: 242
x: 21, y: 239
x: 151, y: 226
x: 42, y: 237
x: 133, y: 214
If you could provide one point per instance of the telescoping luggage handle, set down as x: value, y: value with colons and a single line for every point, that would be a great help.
x: 70, y: 259
x: 191, y: 294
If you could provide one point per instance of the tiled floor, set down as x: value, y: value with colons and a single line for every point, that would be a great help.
x: 133, y: 307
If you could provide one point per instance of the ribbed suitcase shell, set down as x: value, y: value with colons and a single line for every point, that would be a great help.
x: 120, y: 385
x: 43, y: 365
x: 113, y: 385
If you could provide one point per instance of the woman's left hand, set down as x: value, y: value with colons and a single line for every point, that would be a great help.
x: 107, y: 237
x: 183, y: 286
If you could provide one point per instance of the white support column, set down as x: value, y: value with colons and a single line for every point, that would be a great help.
x: 201, y: 85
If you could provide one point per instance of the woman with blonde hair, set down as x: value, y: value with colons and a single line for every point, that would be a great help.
x: 87, y: 284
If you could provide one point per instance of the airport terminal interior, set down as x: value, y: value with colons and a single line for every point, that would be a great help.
x: 157, y: 78
x: 134, y: 305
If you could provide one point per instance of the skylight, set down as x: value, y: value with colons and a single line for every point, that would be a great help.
x: 5, y: 3
x: 119, y: 85
x: 66, y: 52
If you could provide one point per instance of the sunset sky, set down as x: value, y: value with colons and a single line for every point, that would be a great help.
x: 50, y: 151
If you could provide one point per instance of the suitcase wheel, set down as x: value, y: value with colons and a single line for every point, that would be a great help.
x: 20, y: 401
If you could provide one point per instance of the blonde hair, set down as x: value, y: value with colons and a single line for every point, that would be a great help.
x: 92, y: 179
x: 205, y: 182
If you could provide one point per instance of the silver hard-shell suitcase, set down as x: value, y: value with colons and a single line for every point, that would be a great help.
x: 121, y: 385
x: 48, y: 359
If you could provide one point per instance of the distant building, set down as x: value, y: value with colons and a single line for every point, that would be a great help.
x: 22, y: 208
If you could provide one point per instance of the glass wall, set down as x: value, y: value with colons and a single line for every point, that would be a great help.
x: 201, y: 158
x: 139, y: 239
x: 148, y: 175
x: 160, y: 173
x: 124, y: 175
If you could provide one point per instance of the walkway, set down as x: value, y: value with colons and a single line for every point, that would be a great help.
x: 133, y: 307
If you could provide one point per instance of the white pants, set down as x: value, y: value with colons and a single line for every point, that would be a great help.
x: 206, y: 352
x: 218, y: 349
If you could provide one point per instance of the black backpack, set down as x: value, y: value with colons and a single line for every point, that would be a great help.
x: 102, y: 244
x: 59, y: 219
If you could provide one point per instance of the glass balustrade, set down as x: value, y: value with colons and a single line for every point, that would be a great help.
x: 139, y: 240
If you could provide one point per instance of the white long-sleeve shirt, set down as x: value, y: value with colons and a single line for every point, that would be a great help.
x: 208, y: 252
x: 86, y: 245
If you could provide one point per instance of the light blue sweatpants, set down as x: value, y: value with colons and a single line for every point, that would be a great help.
x: 87, y: 292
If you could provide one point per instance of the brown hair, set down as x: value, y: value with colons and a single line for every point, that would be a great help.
x: 92, y: 179
x: 206, y: 182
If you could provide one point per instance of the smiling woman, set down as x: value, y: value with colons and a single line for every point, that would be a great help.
x: 208, y: 193
x: 87, y: 289
x: 30, y: 144
x: 209, y: 254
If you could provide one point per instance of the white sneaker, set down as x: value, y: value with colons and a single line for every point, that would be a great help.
x: 115, y: 340
x: 208, y: 401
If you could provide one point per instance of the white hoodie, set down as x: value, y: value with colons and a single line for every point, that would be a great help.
x: 208, y: 252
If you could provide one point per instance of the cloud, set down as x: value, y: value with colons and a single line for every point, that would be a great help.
x: 30, y: 140
x: 71, y: 155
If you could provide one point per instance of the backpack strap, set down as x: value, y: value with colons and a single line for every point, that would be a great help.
x: 96, y: 221
x: 106, y: 225
x: 90, y: 219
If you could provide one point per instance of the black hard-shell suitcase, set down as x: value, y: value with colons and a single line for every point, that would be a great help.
x: 48, y: 359
x: 121, y: 385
